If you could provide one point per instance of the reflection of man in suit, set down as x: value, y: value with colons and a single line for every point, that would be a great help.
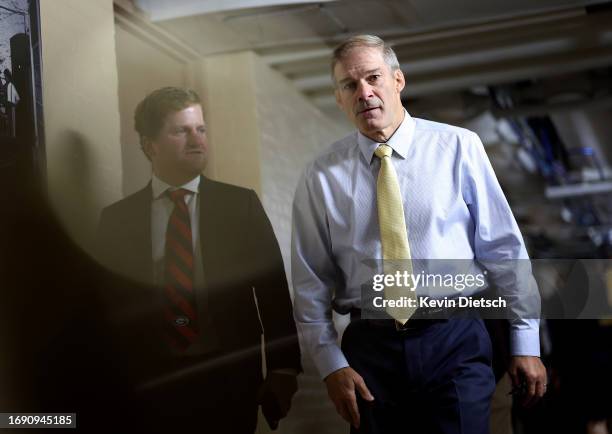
x: 205, y: 275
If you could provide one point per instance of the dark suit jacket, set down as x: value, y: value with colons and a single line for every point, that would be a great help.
x: 240, y: 256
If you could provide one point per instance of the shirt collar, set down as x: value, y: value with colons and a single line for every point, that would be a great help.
x: 160, y: 187
x: 399, y: 141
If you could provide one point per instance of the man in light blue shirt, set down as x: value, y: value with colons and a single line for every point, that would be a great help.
x: 454, y: 208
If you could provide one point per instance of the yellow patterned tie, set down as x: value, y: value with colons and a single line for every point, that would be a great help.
x: 393, y: 234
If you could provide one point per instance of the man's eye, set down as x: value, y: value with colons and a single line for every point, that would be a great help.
x: 348, y: 86
x: 374, y: 78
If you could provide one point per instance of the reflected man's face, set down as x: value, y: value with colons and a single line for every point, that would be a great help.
x: 179, y: 151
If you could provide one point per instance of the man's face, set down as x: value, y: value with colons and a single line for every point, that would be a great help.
x: 369, y: 92
x: 178, y: 153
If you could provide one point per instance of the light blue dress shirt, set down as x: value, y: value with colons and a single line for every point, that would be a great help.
x: 454, y: 209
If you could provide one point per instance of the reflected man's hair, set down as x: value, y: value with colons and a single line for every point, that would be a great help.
x: 152, y: 111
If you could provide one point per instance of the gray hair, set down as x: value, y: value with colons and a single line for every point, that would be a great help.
x: 370, y: 41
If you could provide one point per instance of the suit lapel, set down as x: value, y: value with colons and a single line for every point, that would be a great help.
x: 140, y: 232
x: 210, y: 223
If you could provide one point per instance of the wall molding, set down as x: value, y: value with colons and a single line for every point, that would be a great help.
x: 132, y: 20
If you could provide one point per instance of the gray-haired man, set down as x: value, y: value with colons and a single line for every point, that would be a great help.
x: 426, y: 375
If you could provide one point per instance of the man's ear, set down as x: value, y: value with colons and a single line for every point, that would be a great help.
x: 338, y: 99
x: 400, y: 81
x: 147, y: 147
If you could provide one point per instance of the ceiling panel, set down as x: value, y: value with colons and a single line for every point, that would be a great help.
x: 441, y: 11
x: 442, y: 44
x: 160, y: 10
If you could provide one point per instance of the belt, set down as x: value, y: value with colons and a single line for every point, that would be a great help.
x: 421, y: 319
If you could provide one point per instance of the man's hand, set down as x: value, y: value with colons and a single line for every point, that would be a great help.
x: 275, y: 396
x: 341, y: 385
x: 530, y: 371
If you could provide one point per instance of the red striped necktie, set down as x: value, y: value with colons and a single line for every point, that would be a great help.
x: 180, y: 313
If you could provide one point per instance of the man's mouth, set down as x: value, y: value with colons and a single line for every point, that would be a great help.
x: 367, y: 110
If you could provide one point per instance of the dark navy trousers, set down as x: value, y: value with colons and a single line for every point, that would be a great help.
x: 433, y: 380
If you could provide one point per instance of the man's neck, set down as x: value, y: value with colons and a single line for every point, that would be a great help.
x: 383, y: 136
x: 175, y: 180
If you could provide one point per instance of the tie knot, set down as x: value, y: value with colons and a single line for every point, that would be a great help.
x: 383, y: 151
x: 178, y: 196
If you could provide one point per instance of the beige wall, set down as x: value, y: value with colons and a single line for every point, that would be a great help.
x: 80, y: 110
x: 227, y: 86
x: 146, y: 60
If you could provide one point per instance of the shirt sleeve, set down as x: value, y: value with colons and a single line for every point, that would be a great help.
x: 314, y: 275
x: 499, y: 247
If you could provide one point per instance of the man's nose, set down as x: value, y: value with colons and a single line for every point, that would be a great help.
x: 364, y: 90
x: 196, y: 138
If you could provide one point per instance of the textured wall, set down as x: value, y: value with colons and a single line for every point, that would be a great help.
x: 292, y: 132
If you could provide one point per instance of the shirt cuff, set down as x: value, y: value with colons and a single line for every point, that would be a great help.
x: 329, y: 359
x: 525, y: 342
